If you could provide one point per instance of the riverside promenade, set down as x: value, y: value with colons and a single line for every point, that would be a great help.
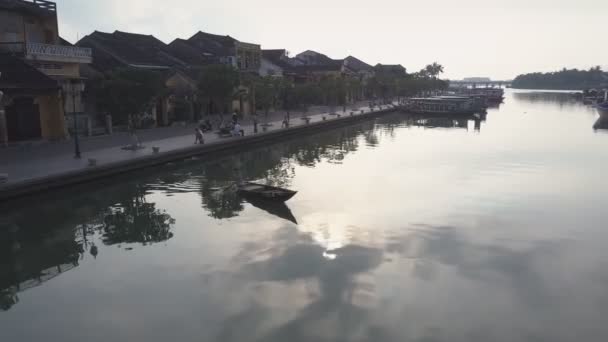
x: 42, y: 168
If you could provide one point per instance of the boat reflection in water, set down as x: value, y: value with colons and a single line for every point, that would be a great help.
x: 602, y: 121
x: 279, y: 209
x: 447, y: 121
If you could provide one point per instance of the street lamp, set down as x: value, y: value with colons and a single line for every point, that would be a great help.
x: 3, y: 128
x: 75, y: 87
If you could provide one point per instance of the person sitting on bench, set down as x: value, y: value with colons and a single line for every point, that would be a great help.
x: 237, y: 130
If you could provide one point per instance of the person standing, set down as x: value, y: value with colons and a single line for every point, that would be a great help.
x: 285, y: 122
x: 199, y: 139
x: 255, y: 123
x: 235, y: 117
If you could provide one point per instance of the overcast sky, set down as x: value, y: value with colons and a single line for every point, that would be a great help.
x: 498, y: 39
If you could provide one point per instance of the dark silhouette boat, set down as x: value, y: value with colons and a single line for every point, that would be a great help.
x: 279, y: 209
x: 602, y: 108
x: 266, y: 192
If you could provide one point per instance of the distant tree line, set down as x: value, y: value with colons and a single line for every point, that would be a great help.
x: 127, y: 93
x: 564, y: 79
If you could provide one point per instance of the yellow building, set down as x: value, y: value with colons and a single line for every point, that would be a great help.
x: 29, y: 33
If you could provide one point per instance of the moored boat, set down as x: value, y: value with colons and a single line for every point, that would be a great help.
x: 491, y: 94
x: 602, y: 107
x: 451, y: 105
x: 266, y: 192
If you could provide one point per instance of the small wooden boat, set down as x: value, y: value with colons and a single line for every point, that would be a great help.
x: 267, y: 192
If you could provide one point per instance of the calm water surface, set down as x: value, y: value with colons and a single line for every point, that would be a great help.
x: 407, y: 230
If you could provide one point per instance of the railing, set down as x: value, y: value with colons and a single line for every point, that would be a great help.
x: 47, y: 5
x: 59, y: 52
x: 48, y: 52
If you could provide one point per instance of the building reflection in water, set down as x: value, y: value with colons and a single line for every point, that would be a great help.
x: 28, y: 259
x: 36, y: 248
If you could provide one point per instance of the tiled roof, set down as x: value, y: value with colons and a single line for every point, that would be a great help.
x: 278, y: 57
x: 390, y: 68
x: 310, y: 57
x: 275, y: 54
x: 357, y: 64
x: 216, y: 45
x: 17, y: 75
x: 184, y: 50
x: 64, y: 42
x: 317, y: 68
x: 121, y: 48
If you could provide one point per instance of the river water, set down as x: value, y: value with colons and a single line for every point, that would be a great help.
x: 403, y: 230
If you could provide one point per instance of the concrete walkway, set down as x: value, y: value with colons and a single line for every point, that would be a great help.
x: 37, y: 163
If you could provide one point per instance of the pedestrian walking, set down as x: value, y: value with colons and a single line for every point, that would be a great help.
x: 198, y: 134
x: 285, y: 122
x: 235, y: 117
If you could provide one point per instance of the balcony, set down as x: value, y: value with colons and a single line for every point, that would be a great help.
x: 48, y: 52
x: 58, y: 53
x: 46, y: 5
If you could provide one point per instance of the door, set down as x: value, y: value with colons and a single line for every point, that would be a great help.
x: 23, y: 120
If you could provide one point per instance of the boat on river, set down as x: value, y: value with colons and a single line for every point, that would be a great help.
x: 265, y: 192
x: 448, y: 105
x: 602, y: 107
x: 491, y: 94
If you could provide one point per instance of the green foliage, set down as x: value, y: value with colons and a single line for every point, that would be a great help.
x: 218, y: 83
x: 307, y: 94
x: 266, y: 92
x: 433, y: 70
x: 287, y: 94
x: 134, y: 220
x: 127, y: 92
x: 563, y: 79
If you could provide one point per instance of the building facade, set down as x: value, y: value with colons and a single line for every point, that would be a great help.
x: 246, y: 57
x: 30, y: 44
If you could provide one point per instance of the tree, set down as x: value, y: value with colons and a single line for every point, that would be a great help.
x: 434, y: 70
x: 134, y: 220
x: 287, y: 95
x: 563, y: 79
x: 306, y: 95
x: 127, y: 93
x: 266, y: 94
x: 217, y: 84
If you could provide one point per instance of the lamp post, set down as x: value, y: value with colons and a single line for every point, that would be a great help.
x: 3, y: 126
x: 76, y: 86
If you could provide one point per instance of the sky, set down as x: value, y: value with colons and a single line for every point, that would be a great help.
x: 470, y: 38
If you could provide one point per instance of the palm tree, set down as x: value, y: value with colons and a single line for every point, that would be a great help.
x: 434, y: 70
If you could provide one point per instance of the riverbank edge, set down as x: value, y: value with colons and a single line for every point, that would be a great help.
x: 230, y: 145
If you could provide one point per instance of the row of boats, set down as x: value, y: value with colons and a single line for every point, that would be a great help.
x: 466, y: 102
